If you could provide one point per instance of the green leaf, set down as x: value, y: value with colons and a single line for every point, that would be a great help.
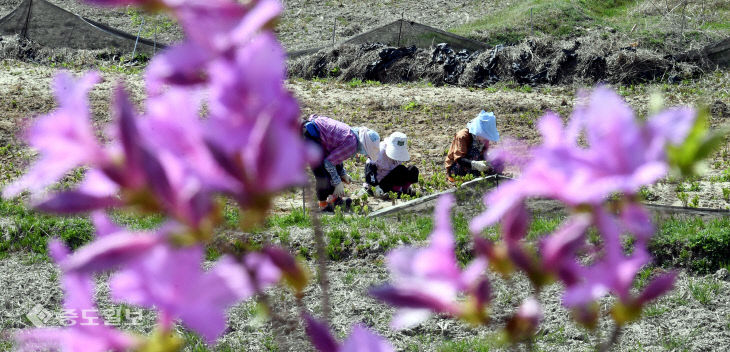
x: 687, y: 159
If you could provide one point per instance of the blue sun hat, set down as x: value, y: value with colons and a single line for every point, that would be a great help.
x: 485, y: 126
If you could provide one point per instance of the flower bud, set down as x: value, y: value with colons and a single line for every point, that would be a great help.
x: 524, y: 323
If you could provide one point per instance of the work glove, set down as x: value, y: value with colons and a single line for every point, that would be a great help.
x: 346, y: 178
x: 480, y: 166
x: 378, y: 192
x: 339, y: 190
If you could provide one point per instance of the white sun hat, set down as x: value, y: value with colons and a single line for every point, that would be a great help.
x: 396, y: 147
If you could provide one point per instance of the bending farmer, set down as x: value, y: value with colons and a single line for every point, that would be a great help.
x: 469, y: 147
x: 338, y: 143
x: 387, y: 174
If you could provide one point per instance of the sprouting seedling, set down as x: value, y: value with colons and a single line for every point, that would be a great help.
x: 684, y: 197
x: 695, y: 202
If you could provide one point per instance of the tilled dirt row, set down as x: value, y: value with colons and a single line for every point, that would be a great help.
x: 430, y: 116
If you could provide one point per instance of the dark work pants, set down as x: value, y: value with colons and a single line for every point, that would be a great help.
x: 323, y: 181
x: 400, y: 177
x: 458, y: 169
x: 323, y: 184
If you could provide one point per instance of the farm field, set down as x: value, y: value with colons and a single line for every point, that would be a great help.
x: 694, y: 316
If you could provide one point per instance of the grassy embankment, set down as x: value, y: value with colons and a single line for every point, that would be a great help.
x: 660, y: 24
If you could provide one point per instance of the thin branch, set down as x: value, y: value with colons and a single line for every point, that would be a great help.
x: 319, y: 244
x: 606, y: 346
x: 277, y: 321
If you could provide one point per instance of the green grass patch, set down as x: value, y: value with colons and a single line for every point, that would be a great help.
x: 29, y: 231
x: 607, y: 8
x: 511, y: 24
x: 479, y: 344
x: 137, y: 221
x: 655, y: 310
x: 26, y: 230
x: 569, y: 18
x: 701, y: 246
x: 542, y: 226
x: 704, y: 290
x: 296, y: 218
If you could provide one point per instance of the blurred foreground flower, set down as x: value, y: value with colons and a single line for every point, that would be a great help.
x: 429, y: 279
x: 177, y: 158
x: 360, y: 340
x: 85, y: 330
x: 598, y: 180
x: 620, y: 156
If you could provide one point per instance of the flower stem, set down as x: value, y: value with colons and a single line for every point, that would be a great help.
x: 319, y: 244
x: 606, y: 346
x: 278, y: 322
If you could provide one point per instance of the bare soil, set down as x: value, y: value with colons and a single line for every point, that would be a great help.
x: 429, y: 115
x: 679, y: 321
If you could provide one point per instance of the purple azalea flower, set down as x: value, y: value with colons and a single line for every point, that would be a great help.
x: 111, y: 251
x: 429, y: 279
x: 159, y: 166
x: 64, y: 138
x: 213, y: 28
x: 360, y: 340
x: 95, y: 192
x: 157, y: 169
x: 614, y: 272
x: 515, y: 226
x: 637, y: 220
x: 657, y: 287
x: 172, y: 127
x: 621, y: 156
x: 253, y: 129
x: 103, y: 225
x: 557, y: 251
x: 172, y: 281
x: 85, y: 330
x: 291, y: 270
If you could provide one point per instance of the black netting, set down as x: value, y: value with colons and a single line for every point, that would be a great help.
x: 402, y: 33
x: 52, y: 26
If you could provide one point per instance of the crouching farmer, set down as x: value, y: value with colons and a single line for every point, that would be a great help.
x: 387, y: 173
x: 469, y: 148
x: 338, y: 143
